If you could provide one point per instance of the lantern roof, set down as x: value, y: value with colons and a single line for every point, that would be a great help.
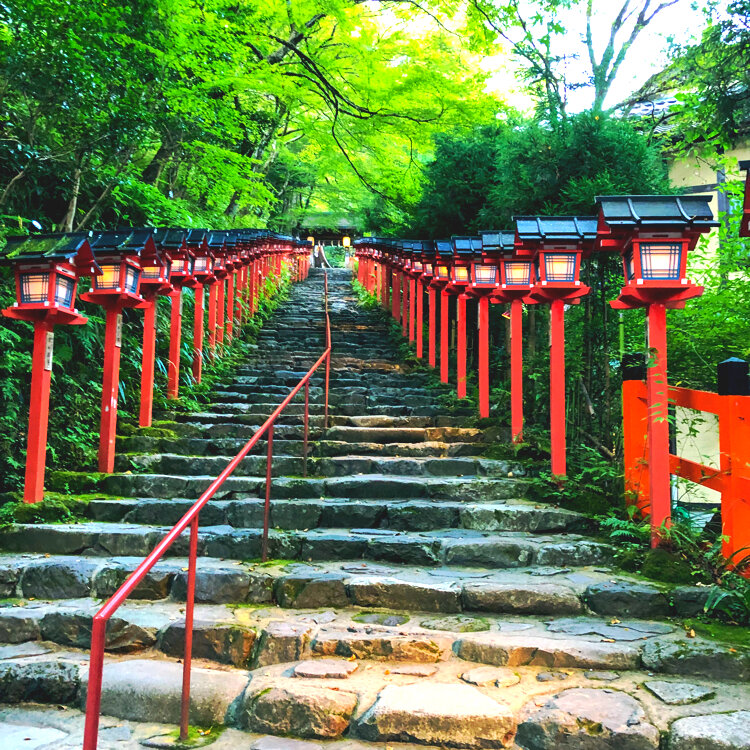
x: 542, y: 229
x: 196, y: 237
x: 444, y: 248
x: 498, y: 240
x: 216, y: 240
x: 71, y: 246
x: 466, y: 246
x: 657, y: 211
x: 174, y: 239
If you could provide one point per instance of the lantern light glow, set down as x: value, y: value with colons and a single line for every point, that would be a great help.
x: 518, y: 273
x: 560, y: 267
x: 485, y: 274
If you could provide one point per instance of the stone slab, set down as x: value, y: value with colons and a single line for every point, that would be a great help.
x: 679, y: 693
x: 730, y: 731
x: 438, y: 714
x: 336, y: 669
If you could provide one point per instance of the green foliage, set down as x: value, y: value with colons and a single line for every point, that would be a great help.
x: 485, y: 178
x: 593, y: 485
x: 731, y: 601
x: 57, y: 510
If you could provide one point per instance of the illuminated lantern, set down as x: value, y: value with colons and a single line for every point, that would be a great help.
x: 556, y: 245
x: 155, y: 275
x: 653, y: 235
x: 47, y: 268
x: 515, y: 278
x: 216, y: 245
x: 119, y: 255
x: 465, y: 249
x: 440, y: 279
x: 203, y: 275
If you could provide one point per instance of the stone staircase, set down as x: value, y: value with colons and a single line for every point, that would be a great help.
x: 414, y: 594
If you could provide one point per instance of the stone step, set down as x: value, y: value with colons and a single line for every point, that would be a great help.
x: 396, y: 434
x: 336, y: 466
x: 409, y: 515
x: 319, y: 680
x: 219, y: 446
x: 376, y: 486
x: 539, y: 591
x: 433, y: 449
x: 493, y: 550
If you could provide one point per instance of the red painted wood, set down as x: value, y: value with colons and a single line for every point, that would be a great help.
x: 420, y: 319
x: 147, y: 363
x: 412, y: 307
x: 36, y: 446
x: 484, y: 356
x: 198, y: 334
x: 404, y: 305
x: 461, y: 346
x: 444, y: 333
x: 557, y: 387
x: 516, y: 370
x: 110, y: 384
x: 396, y: 294
x: 175, y: 344
x: 635, y: 445
x: 658, y: 420
x: 213, y: 301
x: 432, y: 326
x: 230, y: 307
x: 220, y: 313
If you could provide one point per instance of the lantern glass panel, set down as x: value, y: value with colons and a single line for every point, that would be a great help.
x: 417, y: 266
x: 442, y: 272
x: 629, y: 265
x: 110, y: 278
x: 428, y: 268
x: 152, y: 273
x: 203, y: 264
x: 560, y: 266
x: 661, y: 260
x: 461, y: 274
x: 131, y: 280
x: 34, y: 287
x: 485, y: 275
x: 517, y: 273
x: 64, y: 288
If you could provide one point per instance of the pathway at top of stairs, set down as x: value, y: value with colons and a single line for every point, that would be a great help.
x: 415, y: 594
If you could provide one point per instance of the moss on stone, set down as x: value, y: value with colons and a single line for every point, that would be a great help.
x: 74, y: 482
x: 50, y: 510
x: 663, y: 565
x: 732, y: 635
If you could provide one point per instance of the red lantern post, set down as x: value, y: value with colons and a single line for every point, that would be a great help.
x: 47, y: 268
x: 183, y: 262
x: 464, y: 249
x: 556, y: 244
x: 203, y: 265
x: 155, y: 275
x: 115, y: 289
x: 516, y: 278
x: 440, y: 281
x: 215, y: 242
x: 653, y: 235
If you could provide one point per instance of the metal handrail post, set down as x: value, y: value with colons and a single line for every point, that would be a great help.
x: 189, y: 607
x: 267, y: 506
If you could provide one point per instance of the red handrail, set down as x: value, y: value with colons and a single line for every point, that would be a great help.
x: 99, y: 627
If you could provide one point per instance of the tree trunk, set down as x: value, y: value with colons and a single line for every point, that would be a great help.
x: 67, y: 223
x: 10, y: 185
x: 153, y: 171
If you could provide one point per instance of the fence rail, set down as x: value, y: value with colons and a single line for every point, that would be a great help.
x: 191, y: 519
x: 731, y: 478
